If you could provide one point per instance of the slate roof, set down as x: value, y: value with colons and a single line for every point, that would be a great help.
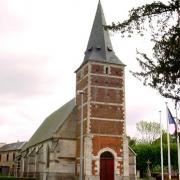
x: 12, y: 146
x: 51, y: 124
x: 99, y: 46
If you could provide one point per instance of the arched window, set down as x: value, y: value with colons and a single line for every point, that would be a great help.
x: 106, y: 70
x: 14, y: 156
x: 7, y: 157
x: 47, y: 156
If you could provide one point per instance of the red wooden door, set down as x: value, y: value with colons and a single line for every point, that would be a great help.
x: 107, y: 167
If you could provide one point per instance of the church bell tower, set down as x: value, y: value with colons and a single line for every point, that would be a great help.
x: 100, y: 78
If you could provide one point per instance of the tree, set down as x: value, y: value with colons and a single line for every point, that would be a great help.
x: 152, y: 152
x: 172, y: 138
x: 148, y: 131
x: 131, y: 141
x: 162, y: 71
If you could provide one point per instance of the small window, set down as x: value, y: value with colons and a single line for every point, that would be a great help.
x: 90, y: 48
x: 7, y: 157
x: 98, y: 48
x: 106, y: 69
x: 109, y: 48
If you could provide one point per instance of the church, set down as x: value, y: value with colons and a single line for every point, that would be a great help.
x: 86, y: 137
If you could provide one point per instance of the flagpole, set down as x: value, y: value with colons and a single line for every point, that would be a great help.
x: 178, y: 145
x: 178, y: 155
x: 162, y: 172
x: 168, y: 143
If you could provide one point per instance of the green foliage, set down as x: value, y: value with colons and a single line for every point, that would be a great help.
x: 156, y: 168
x: 16, y: 178
x: 151, y: 152
x: 132, y: 141
x: 162, y: 72
x: 148, y: 131
x: 164, y: 139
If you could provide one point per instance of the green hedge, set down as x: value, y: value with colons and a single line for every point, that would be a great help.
x: 151, y: 152
x: 15, y: 178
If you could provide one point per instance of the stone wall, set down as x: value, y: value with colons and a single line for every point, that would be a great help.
x: 50, y: 159
x: 132, y: 164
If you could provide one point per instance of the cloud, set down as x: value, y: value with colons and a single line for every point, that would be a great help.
x: 137, y: 113
x: 133, y: 116
x: 23, y: 76
x: 10, y: 22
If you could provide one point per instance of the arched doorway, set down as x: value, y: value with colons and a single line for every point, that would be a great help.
x: 106, y: 166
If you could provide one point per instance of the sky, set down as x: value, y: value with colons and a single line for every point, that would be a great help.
x: 42, y: 43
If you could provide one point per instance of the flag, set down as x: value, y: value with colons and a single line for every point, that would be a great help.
x: 171, y: 122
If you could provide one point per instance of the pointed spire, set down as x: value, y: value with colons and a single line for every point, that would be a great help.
x: 99, y: 46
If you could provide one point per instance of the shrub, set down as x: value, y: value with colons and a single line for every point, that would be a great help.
x: 15, y: 178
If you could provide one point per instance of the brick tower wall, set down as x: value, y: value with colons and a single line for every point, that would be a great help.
x: 103, y: 105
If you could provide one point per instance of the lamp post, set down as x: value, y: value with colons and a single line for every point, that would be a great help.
x: 81, y: 136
